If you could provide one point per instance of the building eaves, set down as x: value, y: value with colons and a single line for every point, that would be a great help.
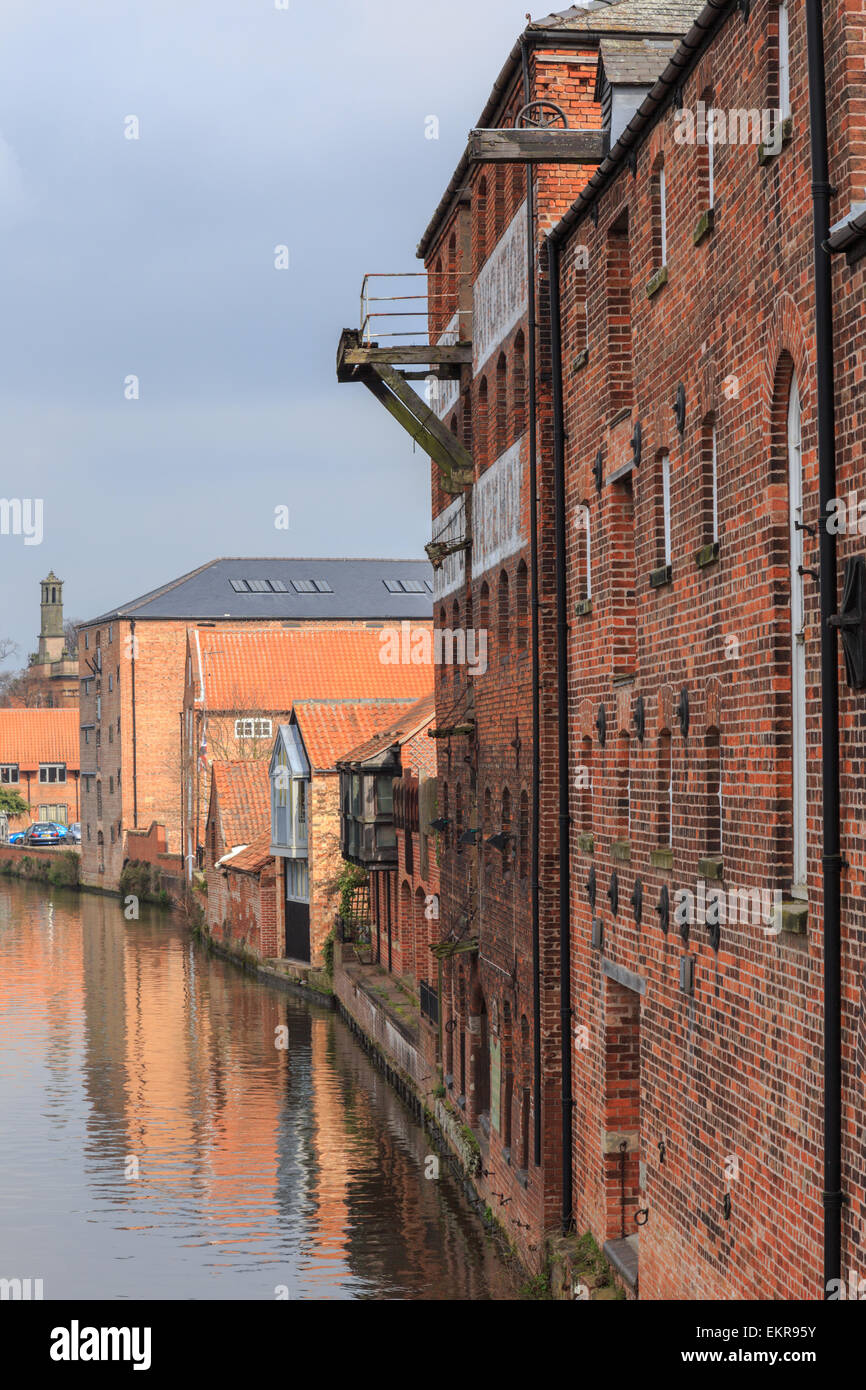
x: 688, y: 50
x: 583, y: 26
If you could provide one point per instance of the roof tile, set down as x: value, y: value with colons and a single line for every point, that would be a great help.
x: 29, y: 737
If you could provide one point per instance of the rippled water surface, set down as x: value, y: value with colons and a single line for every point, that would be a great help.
x: 123, y: 1045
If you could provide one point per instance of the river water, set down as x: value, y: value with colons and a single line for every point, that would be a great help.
x: 156, y: 1143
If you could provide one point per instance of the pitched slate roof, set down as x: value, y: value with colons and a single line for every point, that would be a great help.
x: 634, y: 62
x: 271, y: 668
x: 243, y: 798
x: 632, y: 16
x: 328, y: 727
x: 352, y: 589
x: 29, y: 737
x: 418, y: 752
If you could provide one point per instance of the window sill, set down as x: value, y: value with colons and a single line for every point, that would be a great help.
x: 662, y: 858
x: 583, y: 607
x: 794, y: 916
x: 660, y: 278
x: 705, y: 224
x: 580, y: 361
x: 711, y: 868
x: 621, y: 850
x: 766, y: 153
x: 660, y: 577
x: 707, y: 555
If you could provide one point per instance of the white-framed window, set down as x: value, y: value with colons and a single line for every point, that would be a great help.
x: 784, y: 61
x: 666, y: 507
x: 297, y: 880
x: 663, y: 215
x: 253, y: 728
x: 588, y: 554
x: 798, y: 644
x: 711, y: 163
x: 9, y: 774
x: 52, y: 772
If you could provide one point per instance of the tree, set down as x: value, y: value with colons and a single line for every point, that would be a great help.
x: 13, y: 802
x: 70, y: 634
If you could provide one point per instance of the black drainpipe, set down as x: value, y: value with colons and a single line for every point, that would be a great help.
x: 533, y: 586
x: 831, y: 859
x: 134, y: 745
x: 562, y: 729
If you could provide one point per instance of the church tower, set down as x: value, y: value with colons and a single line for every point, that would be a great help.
x: 51, y: 639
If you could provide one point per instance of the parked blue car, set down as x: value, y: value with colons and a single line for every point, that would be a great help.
x: 45, y: 832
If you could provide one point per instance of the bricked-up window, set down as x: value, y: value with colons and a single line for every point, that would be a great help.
x: 713, y: 783
x: 482, y: 427
x: 507, y: 1063
x: 524, y: 1096
x: 501, y: 442
x: 467, y: 420
x: 435, y: 296
x: 484, y: 608
x: 620, y: 532
x: 622, y: 788
x: 480, y: 224
x: 523, y: 837
x: 584, y: 786
x: 503, y: 625
x: 455, y: 627
x: 458, y: 814
x: 521, y: 607
x: 619, y: 369
x: 499, y: 202
x: 518, y: 384
x: 621, y: 1108
x: 659, y: 193
x: 451, y: 290
x: 709, y: 493
x: 665, y: 791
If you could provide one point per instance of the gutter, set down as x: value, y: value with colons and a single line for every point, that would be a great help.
x: 831, y: 858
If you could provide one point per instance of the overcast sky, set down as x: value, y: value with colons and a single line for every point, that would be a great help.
x: 258, y: 127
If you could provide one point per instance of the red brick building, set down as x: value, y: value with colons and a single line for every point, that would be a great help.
x: 693, y: 664
x: 133, y: 666
x: 628, y: 506
x: 39, y: 759
x: 241, y: 684
x: 239, y: 868
x: 305, y: 814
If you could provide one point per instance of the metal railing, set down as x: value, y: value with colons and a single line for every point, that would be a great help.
x: 429, y: 1002
x: 380, y: 322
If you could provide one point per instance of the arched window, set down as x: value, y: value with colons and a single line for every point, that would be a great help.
x: 518, y: 384
x: 482, y: 426
x: 798, y: 640
x: 583, y: 551
x: 521, y: 606
x: 501, y: 405
x: 665, y: 790
x: 506, y: 828
x: 659, y: 214
x: 480, y: 224
x: 503, y: 633
x: 484, y: 608
x: 713, y: 793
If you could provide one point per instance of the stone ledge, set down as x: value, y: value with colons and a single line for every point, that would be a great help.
x: 586, y: 843
x: 661, y: 576
x: 660, y: 278
x: 622, y: 1256
x: 582, y: 607
x: 662, y: 858
x: 705, y: 224
x: 580, y: 361
x: 711, y: 868
x: 795, y: 917
x: 621, y: 850
x: 707, y: 554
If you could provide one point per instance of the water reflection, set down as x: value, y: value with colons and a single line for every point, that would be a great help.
x: 124, y: 1048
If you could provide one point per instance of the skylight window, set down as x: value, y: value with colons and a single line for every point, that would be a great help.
x: 239, y: 586
x: 303, y: 586
x: 323, y: 586
x: 405, y: 586
x: 393, y: 586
